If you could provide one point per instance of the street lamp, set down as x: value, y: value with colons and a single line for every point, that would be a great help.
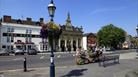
x: 51, y: 32
x: 51, y: 10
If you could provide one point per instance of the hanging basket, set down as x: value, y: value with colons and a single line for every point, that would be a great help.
x: 50, y: 31
x: 54, y: 30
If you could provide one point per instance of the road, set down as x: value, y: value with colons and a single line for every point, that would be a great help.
x: 42, y: 60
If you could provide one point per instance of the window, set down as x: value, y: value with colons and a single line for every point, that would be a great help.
x: 8, y: 47
x: 5, y: 34
x: 28, y: 31
x: 29, y: 47
x: 19, y: 21
x: 38, y: 23
x: 8, y: 39
x: 19, y: 41
x: 11, y: 47
x: 33, y: 35
x: 43, y: 46
x: 30, y: 39
x: 12, y: 29
x: 28, y: 35
x: 8, y: 29
x: 26, y: 39
x: 12, y: 39
x: 3, y: 46
x: 18, y: 35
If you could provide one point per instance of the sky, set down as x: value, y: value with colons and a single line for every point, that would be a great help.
x: 92, y: 15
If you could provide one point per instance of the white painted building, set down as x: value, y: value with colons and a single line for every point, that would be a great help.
x: 89, y: 41
x: 14, y: 34
x: 25, y: 34
x: 85, y: 42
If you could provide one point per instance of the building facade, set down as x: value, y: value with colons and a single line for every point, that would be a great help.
x: 25, y: 34
x: 71, y: 37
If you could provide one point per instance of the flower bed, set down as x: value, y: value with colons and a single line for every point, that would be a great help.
x: 88, y: 57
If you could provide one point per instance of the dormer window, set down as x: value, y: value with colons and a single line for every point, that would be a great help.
x: 19, y: 21
x: 38, y: 23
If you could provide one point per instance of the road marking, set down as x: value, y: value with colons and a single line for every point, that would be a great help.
x: 73, y: 55
x: 58, y: 56
x: 16, y: 59
x: 42, y: 57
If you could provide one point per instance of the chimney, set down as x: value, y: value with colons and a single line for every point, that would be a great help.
x: 41, y: 20
x: 6, y: 18
x: 29, y: 19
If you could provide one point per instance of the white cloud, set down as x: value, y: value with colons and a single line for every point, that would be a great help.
x: 107, y: 10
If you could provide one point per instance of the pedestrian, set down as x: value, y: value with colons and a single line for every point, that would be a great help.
x: 78, y: 51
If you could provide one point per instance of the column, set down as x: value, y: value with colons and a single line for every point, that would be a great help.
x: 71, y: 44
x: 59, y: 42
x: 65, y: 44
x: 76, y: 42
x: 81, y: 42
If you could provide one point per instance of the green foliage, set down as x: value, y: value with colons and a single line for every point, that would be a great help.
x: 133, y: 41
x: 80, y: 61
x: 110, y: 36
x: 54, y: 32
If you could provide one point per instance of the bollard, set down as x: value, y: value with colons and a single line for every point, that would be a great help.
x: 25, y: 65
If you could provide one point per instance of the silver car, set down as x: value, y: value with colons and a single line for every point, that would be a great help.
x: 4, y: 52
x: 32, y: 52
x: 19, y: 52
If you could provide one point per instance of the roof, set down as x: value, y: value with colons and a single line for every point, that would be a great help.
x: 87, y: 34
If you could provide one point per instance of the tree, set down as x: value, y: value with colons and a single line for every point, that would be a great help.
x: 110, y: 36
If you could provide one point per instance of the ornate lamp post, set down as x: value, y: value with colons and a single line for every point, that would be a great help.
x: 51, y: 10
x: 52, y: 32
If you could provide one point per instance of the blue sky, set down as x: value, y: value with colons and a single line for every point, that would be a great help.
x: 91, y: 14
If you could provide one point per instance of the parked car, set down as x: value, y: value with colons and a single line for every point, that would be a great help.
x: 32, y: 52
x: 18, y: 52
x: 4, y: 52
x: 109, y: 49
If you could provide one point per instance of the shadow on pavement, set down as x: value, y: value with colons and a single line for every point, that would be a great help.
x: 30, y: 70
x: 76, y: 72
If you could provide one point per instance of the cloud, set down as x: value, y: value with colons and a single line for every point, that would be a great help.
x: 107, y: 10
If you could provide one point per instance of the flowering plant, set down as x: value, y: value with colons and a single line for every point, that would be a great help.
x: 52, y: 26
x: 50, y: 31
x: 44, y: 32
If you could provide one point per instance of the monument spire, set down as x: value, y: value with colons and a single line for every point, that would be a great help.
x: 68, y: 21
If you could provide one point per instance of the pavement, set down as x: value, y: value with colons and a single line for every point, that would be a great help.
x: 128, y: 67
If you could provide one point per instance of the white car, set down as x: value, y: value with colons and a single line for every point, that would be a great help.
x: 18, y: 52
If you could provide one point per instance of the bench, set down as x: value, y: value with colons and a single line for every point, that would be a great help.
x: 104, y: 58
